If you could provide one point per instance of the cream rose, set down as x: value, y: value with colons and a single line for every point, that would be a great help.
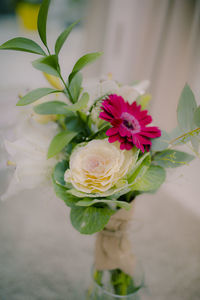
x: 98, y: 166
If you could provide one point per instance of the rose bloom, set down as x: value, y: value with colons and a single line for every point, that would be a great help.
x: 98, y: 166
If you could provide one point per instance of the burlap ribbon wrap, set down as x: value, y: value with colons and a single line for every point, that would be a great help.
x: 113, y: 248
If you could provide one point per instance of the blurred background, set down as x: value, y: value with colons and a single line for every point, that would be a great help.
x: 41, y: 255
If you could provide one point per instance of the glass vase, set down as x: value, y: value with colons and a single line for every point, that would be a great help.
x: 105, y: 289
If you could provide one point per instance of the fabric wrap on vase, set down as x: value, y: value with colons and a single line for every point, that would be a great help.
x: 113, y: 248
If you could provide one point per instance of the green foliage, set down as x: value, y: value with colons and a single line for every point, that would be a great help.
x: 81, y: 104
x: 186, y: 108
x: 75, y: 86
x: 52, y: 107
x: 90, y: 202
x: 139, y: 168
x: 161, y: 143
x: 22, y: 44
x: 88, y: 220
x: 74, y: 124
x: 186, y: 137
x: 62, y: 37
x: 59, y: 171
x: 42, y: 21
x: 172, y: 158
x: 82, y: 62
x: 152, y: 179
x: 60, y: 141
x: 123, y: 283
x: 197, y: 117
x: 61, y: 193
x: 48, y: 64
x: 35, y: 95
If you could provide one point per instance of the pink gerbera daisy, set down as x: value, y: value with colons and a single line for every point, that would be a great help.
x: 128, y: 123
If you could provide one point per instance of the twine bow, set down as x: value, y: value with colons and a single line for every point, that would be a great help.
x: 113, y: 248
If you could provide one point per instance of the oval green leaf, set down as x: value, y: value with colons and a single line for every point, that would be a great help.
x: 58, y: 173
x: 186, y: 108
x: 35, y: 95
x: 88, y: 220
x: 62, y: 37
x: 82, y: 62
x: 22, y: 44
x: 81, y: 104
x: 152, y: 179
x: 197, y: 117
x: 59, y: 142
x: 161, y: 143
x: 172, y: 158
x: 42, y: 21
x: 75, y: 86
x: 61, y: 192
x: 51, y: 108
x: 48, y: 65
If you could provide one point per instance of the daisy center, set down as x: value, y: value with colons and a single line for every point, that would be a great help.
x: 130, y: 122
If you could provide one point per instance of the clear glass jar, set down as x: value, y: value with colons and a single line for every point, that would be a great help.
x: 105, y: 291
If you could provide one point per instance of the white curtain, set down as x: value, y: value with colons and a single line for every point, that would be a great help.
x: 157, y: 40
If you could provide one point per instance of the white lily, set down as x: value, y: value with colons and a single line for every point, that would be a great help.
x: 29, y: 155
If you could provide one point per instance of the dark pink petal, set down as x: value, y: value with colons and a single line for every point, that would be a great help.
x: 151, y: 132
x: 123, y: 131
x: 137, y: 143
x: 105, y: 116
x: 112, y: 131
x: 113, y: 138
x: 128, y: 146
x: 123, y: 146
x: 111, y: 110
x: 144, y: 140
x: 116, y: 122
x: 145, y: 121
x: 114, y: 107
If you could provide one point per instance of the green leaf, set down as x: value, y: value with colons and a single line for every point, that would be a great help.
x: 186, y: 137
x: 88, y: 220
x: 75, y: 86
x: 90, y: 202
x: 197, y: 117
x: 48, y: 64
x: 82, y: 62
x: 22, y: 44
x: 62, y: 37
x: 186, y: 108
x: 161, y: 143
x: 81, y: 104
x: 61, y: 193
x: 35, y: 95
x: 51, y: 108
x: 42, y: 20
x: 74, y: 124
x: 59, y: 171
x: 59, y: 142
x: 152, y: 179
x: 139, y: 168
x: 172, y: 158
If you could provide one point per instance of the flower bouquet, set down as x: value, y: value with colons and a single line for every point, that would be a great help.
x: 99, y: 149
